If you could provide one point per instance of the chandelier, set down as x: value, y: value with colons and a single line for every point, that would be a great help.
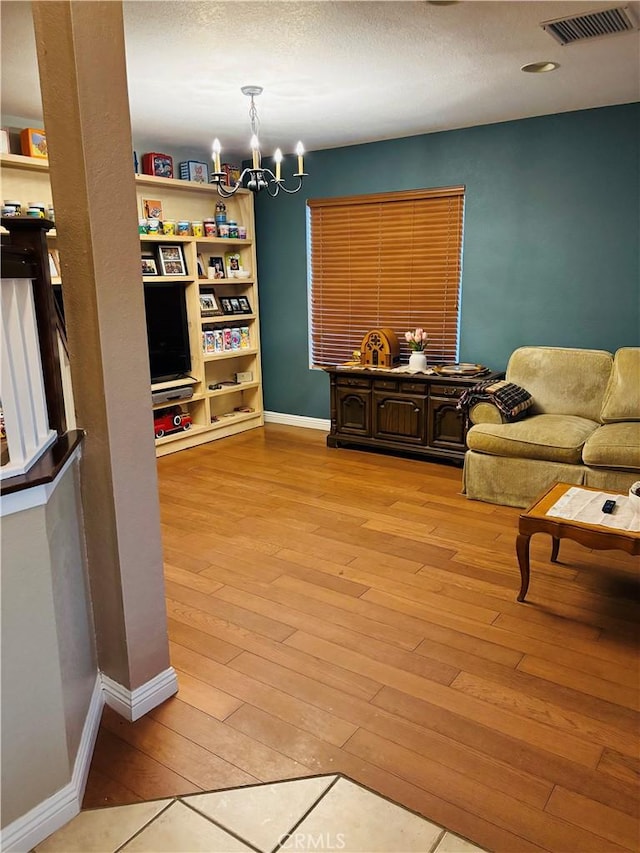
x: 257, y: 177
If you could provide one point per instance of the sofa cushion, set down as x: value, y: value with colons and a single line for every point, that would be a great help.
x: 622, y: 397
x: 614, y: 446
x: 516, y: 482
x: 554, y: 438
x: 562, y: 381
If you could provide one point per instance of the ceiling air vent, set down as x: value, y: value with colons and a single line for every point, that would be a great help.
x: 591, y: 25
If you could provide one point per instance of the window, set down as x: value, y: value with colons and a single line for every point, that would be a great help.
x: 390, y: 260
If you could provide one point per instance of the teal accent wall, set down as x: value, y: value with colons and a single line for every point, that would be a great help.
x: 551, y: 239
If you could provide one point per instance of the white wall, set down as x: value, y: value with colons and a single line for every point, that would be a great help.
x: 49, y: 665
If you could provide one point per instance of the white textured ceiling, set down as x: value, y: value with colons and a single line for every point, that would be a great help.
x: 339, y: 73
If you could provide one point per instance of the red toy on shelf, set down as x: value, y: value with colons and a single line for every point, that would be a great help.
x: 170, y: 420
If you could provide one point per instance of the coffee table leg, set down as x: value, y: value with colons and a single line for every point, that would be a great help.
x: 555, y: 547
x: 522, y: 550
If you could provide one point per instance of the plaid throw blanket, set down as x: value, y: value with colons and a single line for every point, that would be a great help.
x: 512, y: 400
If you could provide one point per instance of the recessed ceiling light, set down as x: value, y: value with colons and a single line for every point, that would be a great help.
x: 540, y: 67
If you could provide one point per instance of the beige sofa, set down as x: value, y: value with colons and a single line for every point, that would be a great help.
x: 583, y: 427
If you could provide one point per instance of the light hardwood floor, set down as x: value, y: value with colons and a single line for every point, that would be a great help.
x: 342, y: 611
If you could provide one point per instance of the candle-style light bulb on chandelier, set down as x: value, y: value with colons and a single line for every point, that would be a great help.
x: 257, y: 177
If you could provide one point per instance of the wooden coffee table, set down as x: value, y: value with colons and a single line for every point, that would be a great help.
x: 535, y: 520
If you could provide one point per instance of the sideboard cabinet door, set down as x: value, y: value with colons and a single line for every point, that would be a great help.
x: 353, y: 411
x: 400, y: 418
x: 447, y: 429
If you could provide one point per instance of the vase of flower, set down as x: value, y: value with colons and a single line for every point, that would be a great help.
x: 417, y: 342
x: 418, y: 361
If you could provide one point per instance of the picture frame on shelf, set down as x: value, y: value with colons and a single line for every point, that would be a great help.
x: 152, y: 208
x: 215, y: 268
x: 149, y: 265
x: 233, y: 263
x: 209, y: 305
x: 171, y: 260
x: 245, y: 307
x: 225, y: 304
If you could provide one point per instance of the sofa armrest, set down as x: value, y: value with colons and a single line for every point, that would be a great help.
x: 486, y: 413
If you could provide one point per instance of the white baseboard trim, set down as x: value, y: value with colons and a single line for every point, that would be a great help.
x: 88, y: 739
x: 133, y: 704
x: 298, y: 420
x: 50, y: 815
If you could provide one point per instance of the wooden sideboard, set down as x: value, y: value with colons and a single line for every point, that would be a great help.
x: 408, y: 412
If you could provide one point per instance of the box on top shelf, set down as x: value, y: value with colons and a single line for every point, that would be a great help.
x: 160, y: 165
x: 33, y: 143
x: 232, y: 174
x: 194, y: 170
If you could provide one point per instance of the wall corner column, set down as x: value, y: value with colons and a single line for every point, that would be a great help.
x: 81, y: 58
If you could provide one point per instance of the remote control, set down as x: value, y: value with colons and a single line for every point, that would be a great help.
x: 608, y: 506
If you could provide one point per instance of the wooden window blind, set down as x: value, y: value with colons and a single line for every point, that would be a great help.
x: 390, y: 260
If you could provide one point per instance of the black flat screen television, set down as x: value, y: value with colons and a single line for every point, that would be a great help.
x: 167, y: 330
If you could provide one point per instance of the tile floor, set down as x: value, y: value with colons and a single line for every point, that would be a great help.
x: 327, y: 813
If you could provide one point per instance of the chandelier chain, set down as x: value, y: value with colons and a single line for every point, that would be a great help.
x: 253, y: 118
